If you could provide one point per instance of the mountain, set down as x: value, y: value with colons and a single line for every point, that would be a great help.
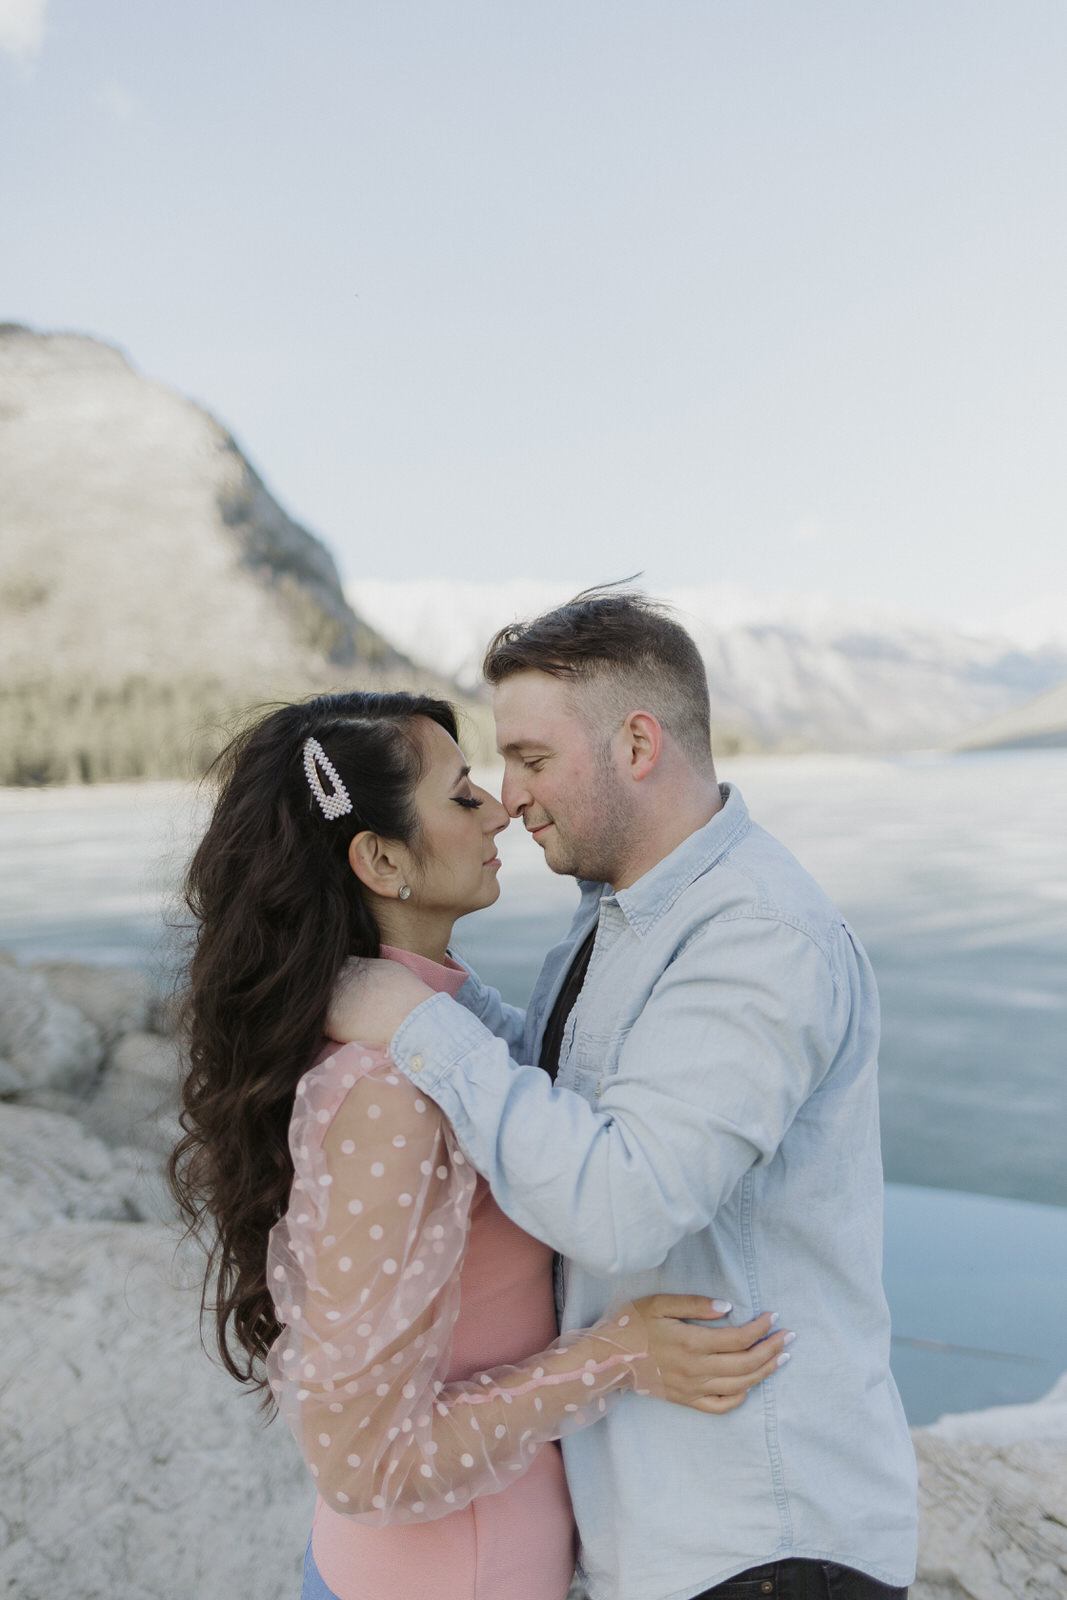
x: 786, y: 672
x: 149, y: 583
x: 1039, y: 724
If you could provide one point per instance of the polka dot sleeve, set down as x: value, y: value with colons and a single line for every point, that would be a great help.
x: 364, y: 1273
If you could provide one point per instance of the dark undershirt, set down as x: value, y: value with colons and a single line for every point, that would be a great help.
x: 572, y: 988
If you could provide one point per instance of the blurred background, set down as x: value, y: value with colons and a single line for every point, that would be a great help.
x: 334, y: 337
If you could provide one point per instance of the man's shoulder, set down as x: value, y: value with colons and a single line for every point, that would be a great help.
x: 759, y: 877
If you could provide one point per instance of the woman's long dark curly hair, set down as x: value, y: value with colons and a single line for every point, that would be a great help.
x: 277, y: 911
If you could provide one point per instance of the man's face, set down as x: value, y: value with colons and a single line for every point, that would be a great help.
x: 561, y: 778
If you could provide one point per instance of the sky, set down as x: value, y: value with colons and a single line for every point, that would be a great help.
x: 748, y: 291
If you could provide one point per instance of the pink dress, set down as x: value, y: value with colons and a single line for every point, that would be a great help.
x: 418, y: 1366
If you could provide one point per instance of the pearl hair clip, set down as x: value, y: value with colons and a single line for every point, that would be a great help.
x: 337, y: 803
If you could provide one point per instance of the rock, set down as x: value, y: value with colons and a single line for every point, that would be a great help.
x: 52, y: 1170
x: 148, y: 1058
x: 131, y: 1467
x: 993, y: 1503
x: 137, y: 1100
x: 46, y: 1043
x: 116, y: 1000
x: 10, y: 1080
x: 142, y: 1174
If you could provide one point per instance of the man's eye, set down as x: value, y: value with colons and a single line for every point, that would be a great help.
x: 467, y: 800
x: 534, y: 763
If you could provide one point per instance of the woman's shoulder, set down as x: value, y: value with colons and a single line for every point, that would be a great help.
x: 332, y: 1075
x: 358, y: 1084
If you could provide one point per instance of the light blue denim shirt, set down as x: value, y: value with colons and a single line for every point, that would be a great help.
x: 713, y: 1130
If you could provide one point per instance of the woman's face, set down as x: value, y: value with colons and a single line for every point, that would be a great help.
x: 457, y: 865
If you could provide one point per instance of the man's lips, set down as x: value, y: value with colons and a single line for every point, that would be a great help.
x: 540, y: 828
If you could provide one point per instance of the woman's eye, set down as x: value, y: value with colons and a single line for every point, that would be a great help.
x: 467, y: 800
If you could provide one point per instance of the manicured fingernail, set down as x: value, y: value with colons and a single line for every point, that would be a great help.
x: 776, y: 1316
x: 783, y: 1358
x: 789, y: 1338
x: 722, y: 1305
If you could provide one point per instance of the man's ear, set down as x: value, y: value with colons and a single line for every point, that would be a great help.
x: 643, y: 746
x: 376, y: 863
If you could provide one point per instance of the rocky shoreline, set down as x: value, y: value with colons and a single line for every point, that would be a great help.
x: 133, y: 1468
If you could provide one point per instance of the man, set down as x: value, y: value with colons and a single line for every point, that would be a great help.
x: 711, y: 1024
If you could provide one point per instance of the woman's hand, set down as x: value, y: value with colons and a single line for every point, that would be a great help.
x: 371, y: 999
x: 709, y: 1369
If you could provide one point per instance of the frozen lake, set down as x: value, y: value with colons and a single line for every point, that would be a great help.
x: 952, y: 869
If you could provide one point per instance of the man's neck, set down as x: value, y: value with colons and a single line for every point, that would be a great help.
x: 670, y: 822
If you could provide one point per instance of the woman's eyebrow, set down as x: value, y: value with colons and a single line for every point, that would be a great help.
x: 464, y: 772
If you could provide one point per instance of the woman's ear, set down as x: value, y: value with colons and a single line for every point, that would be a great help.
x: 377, y: 863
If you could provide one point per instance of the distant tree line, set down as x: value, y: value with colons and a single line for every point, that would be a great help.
x: 71, y: 730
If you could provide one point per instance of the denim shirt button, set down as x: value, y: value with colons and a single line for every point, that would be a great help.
x: 416, y: 1063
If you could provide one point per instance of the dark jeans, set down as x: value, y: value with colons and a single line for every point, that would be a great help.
x: 802, y: 1580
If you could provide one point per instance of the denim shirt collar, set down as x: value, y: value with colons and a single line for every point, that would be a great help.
x: 653, y: 895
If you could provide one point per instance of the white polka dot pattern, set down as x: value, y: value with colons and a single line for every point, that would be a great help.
x: 364, y: 1274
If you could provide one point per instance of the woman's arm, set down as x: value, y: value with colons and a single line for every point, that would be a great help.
x: 365, y: 1276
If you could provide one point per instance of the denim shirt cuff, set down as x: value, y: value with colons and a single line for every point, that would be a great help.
x: 431, y: 1041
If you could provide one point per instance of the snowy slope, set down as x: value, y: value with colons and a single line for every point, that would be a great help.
x: 786, y: 671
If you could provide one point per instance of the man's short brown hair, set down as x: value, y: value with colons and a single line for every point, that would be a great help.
x: 622, y: 652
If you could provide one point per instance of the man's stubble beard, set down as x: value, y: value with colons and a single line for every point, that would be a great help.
x: 600, y: 854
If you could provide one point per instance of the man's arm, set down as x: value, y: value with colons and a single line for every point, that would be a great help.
x: 504, y: 1021
x: 708, y: 1082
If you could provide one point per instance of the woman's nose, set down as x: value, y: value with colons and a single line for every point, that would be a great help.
x: 497, y: 819
x: 494, y: 817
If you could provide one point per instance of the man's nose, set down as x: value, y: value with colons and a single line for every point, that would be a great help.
x: 514, y: 795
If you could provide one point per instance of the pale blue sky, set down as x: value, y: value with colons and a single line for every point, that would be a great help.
x: 768, y: 292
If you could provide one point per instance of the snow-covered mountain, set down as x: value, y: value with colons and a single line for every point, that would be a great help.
x: 786, y: 671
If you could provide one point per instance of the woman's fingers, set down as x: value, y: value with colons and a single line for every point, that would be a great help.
x: 717, y: 1404
x: 696, y: 1306
x: 718, y: 1381
x: 726, y: 1394
x: 709, y: 1368
x: 690, y: 1335
x: 744, y: 1362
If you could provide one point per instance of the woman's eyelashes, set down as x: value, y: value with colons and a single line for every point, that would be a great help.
x: 467, y: 800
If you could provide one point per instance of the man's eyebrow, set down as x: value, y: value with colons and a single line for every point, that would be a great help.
x: 517, y: 746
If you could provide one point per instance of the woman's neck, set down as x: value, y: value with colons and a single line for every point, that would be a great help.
x: 415, y: 931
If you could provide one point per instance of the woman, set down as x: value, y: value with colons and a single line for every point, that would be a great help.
x: 363, y: 1274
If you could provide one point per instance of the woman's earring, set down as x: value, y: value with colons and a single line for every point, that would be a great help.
x: 403, y: 893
